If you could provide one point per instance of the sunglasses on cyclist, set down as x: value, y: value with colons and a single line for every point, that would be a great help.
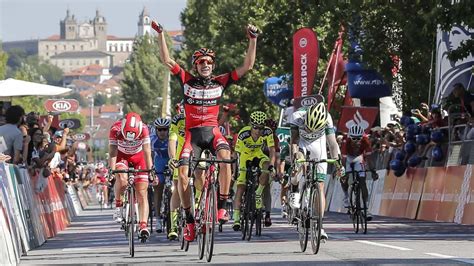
x: 355, y: 138
x: 201, y: 61
x: 258, y: 127
x: 161, y: 129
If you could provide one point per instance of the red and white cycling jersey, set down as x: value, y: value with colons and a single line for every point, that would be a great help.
x: 124, y: 146
x: 202, y: 96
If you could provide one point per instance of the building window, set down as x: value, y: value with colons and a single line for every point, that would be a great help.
x: 65, y: 48
x: 82, y: 47
x: 73, y: 47
x: 110, y: 48
x: 47, y: 47
x: 121, y: 47
x: 116, y: 47
x: 128, y: 47
x: 55, y: 47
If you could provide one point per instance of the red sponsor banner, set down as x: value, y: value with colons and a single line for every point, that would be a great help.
x: 43, y: 120
x: 61, y: 105
x: 305, y: 61
x: 432, y: 193
x: 362, y: 116
x: 418, y: 177
x: 452, y: 188
x: 335, y: 74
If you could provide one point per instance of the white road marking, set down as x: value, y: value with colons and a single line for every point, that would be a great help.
x: 382, y: 245
x: 469, y: 261
x: 75, y: 249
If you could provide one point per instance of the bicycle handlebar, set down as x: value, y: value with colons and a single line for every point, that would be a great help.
x: 129, y: 171
x: 316, y: 161
x: 214, y: 160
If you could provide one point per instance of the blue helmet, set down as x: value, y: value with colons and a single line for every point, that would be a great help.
x: 437, y: 153
x: 409, y: 147
x: 400, y: 155
x: 396, y: 165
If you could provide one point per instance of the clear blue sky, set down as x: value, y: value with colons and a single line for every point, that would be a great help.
x: 32, y: 19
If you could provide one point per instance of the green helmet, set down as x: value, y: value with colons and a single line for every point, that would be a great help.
x: 316, y: 117
x: 258, y: 118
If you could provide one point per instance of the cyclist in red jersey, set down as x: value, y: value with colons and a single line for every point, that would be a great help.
x: 129, y: 145
x: 355, y: 148
x: 202, y: 94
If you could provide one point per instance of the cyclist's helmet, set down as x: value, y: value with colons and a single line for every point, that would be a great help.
x: 161, y: 122
x: 131, y: 127
x: 316, y: 117
x: 356, y: 131
x: 271, y: 124
x: 203, y: 52
x: 258, y: 118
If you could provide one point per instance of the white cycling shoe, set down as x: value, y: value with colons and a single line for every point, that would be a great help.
x: 118, y: 215
x: 295, y: 200
x: 324, y: 236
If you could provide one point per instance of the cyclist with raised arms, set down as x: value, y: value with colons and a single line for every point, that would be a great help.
x: 251, y: 141
x: 159, y: 145
x: 311, y: 130
x: 129, y: 144
x: 202, y: 94
x: 355, y: 148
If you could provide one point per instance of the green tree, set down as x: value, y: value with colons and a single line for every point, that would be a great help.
x: 399, y: 29
x: 3, y: 63
x: 100, y: 99
x: 143, y: 79
x: 77, y: 96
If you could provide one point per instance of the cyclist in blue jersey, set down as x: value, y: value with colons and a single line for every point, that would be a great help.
x: 159, y: 146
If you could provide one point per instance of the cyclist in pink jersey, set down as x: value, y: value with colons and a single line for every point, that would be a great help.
x: 202, y: 94
x: 129, y: 146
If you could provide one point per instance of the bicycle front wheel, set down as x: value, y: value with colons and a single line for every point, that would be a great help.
x: 316, y: 222
x: 211, y: 217
x: 362, y: 213
x: 131, y: 222
x: 303, y: 224
x: 354, y: 209
x: 202, y: 224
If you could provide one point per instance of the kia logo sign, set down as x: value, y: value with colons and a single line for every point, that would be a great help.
x: 63, y: 105
x: 303, y: 42
x: 81, y: 136
x: 309, y: 101
x: 70, y: 123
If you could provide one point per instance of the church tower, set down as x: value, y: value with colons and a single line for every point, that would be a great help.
x: 100, y: 31
x: 68, y: 27
x: 144, y: 23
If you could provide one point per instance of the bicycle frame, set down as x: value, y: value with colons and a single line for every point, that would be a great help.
x: 206, y: 212
x: 357, y: 210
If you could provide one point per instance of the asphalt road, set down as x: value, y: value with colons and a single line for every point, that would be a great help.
x: 94, y: 238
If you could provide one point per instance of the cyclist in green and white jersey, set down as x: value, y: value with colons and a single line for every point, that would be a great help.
x: 312, y: 131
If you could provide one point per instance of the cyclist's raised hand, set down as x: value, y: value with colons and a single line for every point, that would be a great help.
x: 252, y: 31
x: 157, y: 26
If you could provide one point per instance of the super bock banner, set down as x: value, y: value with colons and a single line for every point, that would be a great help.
x: 449, y: 72
x: 305, y: 61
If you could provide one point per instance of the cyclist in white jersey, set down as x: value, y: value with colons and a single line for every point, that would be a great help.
x: 311, y: 129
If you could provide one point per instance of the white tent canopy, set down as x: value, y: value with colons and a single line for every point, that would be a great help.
x: 13, y: 87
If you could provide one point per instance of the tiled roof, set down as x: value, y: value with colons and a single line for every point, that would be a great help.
x: 83, y: 54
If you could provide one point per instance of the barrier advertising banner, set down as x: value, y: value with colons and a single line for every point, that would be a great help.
x: 451, y: 191
x: 418, y: 178
x: 305, y: 61
x: 432, y: 193
x: 400, y: 195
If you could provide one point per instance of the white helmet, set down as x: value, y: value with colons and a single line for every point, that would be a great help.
x: 161, y: 122
x: 356, y: 131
